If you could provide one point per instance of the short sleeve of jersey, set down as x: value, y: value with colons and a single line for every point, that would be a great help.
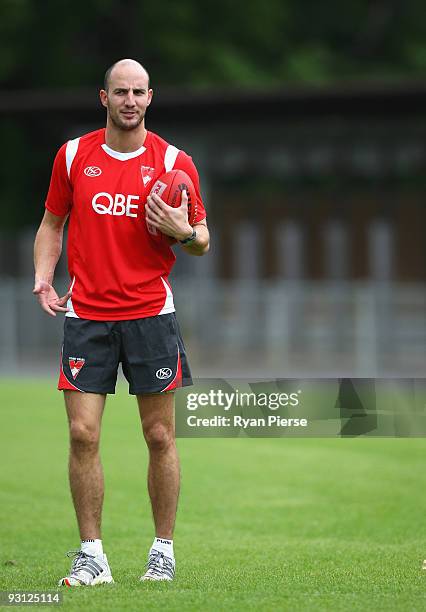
x: 59, y: 197
x: 184, y: 162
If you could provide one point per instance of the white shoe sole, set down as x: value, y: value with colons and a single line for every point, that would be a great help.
x: 98, y: 580
x: 149, y: 579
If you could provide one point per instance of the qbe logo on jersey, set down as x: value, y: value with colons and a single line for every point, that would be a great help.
x: 117, y: 205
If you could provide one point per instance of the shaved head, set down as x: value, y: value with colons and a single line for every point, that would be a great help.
x: 124, y: 63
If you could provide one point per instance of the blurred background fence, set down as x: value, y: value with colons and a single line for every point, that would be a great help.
x: 311, y: 147
x: 256, y: 329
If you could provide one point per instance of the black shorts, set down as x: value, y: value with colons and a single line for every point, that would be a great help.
x: 150, y: 350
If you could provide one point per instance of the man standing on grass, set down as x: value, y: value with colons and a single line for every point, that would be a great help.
x: 119, y: 307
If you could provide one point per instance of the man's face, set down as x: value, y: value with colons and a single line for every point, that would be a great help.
x: 127, y: 98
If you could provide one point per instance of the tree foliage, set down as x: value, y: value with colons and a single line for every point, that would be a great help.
x: 68, y: 44
x: 243, y: 43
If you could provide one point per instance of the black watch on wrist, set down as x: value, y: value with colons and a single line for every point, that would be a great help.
x: 190, y: 238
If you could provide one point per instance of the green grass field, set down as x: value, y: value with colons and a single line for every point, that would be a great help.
x: 263, y: 524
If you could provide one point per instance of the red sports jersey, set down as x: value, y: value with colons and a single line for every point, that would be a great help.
x: 118, y: 269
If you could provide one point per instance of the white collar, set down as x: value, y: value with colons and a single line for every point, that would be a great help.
x: 123, y: 156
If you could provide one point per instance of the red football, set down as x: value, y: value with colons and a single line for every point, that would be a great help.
x: 169, y: 187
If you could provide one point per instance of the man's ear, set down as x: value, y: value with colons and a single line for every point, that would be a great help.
x: 103, y: 97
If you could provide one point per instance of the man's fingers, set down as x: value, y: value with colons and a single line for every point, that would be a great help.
x: 45, y: 306
x: 156, y: 198
x: 55, y: 306
x: 58, y: 308
x: 61, y: 301
x: 184, y: 199
x: 48, y: 298
x: 156, y: 203
x: 151, y: 214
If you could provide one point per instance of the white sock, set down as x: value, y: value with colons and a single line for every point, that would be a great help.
x: 164, y: 546
x: 92, y: 547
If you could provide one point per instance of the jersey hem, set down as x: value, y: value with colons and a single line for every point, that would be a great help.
x: 120, y: 316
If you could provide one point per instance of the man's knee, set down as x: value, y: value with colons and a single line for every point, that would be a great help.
x: 83, y: 437
x: 159, y: 437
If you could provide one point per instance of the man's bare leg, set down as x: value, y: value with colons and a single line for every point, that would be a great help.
x: 84, y: 412
x: 158, y: 424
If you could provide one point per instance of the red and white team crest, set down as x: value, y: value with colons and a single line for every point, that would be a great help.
x: 147, y: 174
x: 76, y: 363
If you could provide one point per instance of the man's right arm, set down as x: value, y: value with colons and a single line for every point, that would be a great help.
x: 47, y: 250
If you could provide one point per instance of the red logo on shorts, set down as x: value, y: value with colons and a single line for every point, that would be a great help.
x: 76, y: 363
